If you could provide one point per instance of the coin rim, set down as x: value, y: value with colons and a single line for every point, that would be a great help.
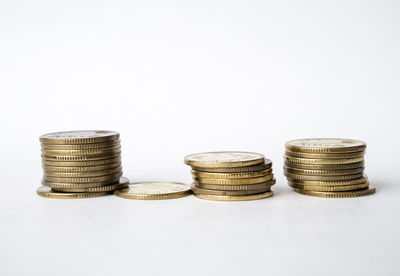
x: 325, y: 149
x: 236, y: 198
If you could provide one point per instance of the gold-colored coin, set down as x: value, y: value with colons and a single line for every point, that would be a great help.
x: 367, y: 191
x: 82, y: 179
x: 325, y: 155
x: 328, y: 167
x: 83, y: 174
x: 224, y: 159
x: 101, y: 162
x: 242, y: 181
x: 78, y: 158
x: 123, y: 183
x: 328, y: 145
x: 47, y: 192
x: 255, y: 168
x: 81, y: 169
x: 331, y: 188
x: 95, y: 152
x: 197, y: 190
x: 79, y: 137
x: 231, y: 175
x: 322, y: 161
x: 329, y: 183
x: 61, y: 185
x: 323, y: 172
x: 323, y: 177
x: 244, y: 187
x: 154, y: 190
x: 235, y: 198
x: 106, y: 144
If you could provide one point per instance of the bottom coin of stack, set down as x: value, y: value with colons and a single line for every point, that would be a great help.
x: 332, y: 168
x: 81, y: 164
x: 231, y: 176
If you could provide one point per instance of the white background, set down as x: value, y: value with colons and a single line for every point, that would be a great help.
x: 178, y: 77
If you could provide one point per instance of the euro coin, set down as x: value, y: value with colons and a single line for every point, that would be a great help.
x: 226, y: 159
x: 154, y: 190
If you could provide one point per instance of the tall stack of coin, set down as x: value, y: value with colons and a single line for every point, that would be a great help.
x: 325, y: 167
x: 231, y: 176
x: 81, y: 164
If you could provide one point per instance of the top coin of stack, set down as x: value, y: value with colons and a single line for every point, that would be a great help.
x: 87, y: 163
x: 231, y: 176
x: 327, y: 167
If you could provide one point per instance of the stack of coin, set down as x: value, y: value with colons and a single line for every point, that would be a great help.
x: 325, y: 167
x: 80, y: 164
x: 231, y: 176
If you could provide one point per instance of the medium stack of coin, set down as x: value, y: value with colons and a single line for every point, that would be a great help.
x: 323, y: 167
x: 231, y: 176
x: 80, y: 164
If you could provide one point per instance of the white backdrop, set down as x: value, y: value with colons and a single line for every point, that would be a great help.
x: 178, y: 77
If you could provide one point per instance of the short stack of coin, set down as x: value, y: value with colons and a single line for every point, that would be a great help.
x: 81, y: 164
x: 231, y: 176
x: 324, y: 167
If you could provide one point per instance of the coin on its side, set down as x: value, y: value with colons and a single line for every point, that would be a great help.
x: 44, y: 191
x: 79, y: 137
x: 263, y: 185
x: 231, y: 175
x: 330, y: 188
x: 224, y: 159
x: 254, y: 168
x: 222, y: 181
x: 328, y: 145
x: 123, y: 183
x: 235, y: 198
x: 363, y: 192
x: 154, y: 190
x: 322, y: 161
x: 197, y: 190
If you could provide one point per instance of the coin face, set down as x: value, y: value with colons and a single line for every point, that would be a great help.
x: 80, y: 136
x: 325, y: 145
x: 224, y: 159
x: 154, y: 190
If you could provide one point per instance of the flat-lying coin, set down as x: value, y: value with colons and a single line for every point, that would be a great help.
x: 263, y: 185
x: 261, y: 167
x: 330, y: 188
x: 197, y: 190
x: 123, y: 183
x: 231, y: 175
x: 61, y: 185
x: 322, y: 161
x: 44, y: 191
x: 88, y: 157
x: 321, y: 145
x: 331, y: 167
x: 325, y: 155
x: 154, y: 190
x: 242, y: 181
x: 82, y: 179
x: 81, y: 169
x: 101, y: 162
x: 235, y: 198
x: 363, y: 192
x: 224, y: 159
x: 106, y: 144
x: 79, y: 137
x: 83, y: 174
x: 324, y: 172
x: 329, y: 183
x: 90, y: 152
x: 323, y: 177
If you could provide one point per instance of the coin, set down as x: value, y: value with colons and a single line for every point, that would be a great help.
x: 154, y: 190
x: 323, y: 177
x: 323, y: 172
x: 47, y: 192
x: 81, y: 163
x: 231, y: 175
x: 88, y: 157
x: 235, y: 198
x: 329, y: 183
x: 263, y: 185
x: 99, y: 151
x: 330, y: 188
x: 83, y: 174
x: 79, y: 137
x: 81, y: 169
x: 331, y: 167
x: 321, y: 145
x: 222, y: 181
x: 61, y: 185
x: 82, y: 179
x: 325, y: 155
x: 322, y: 161
x: 224, y: 159
x: 363, y: 192
x: 197, y: 190
x: 106, y: 144
x: 123, y: 183
x: 254, y: 168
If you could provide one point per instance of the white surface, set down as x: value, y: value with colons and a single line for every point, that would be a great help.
x: 179, y: 77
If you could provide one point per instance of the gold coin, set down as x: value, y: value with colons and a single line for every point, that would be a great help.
x: 328, y: 167
x: 329, y: 183
x: 263, y: 185
x: 323, y: 172
x: 330, y: 188
x: 224, y: 159
x: 325, y: 155
x: 235, y: 198
x: 328, y: 145
x: 77, y: 158
x: 323, y: 177
x: 100, y: 151
x: 106, y: 144
x: 58, y: 185
x: 197, y: 190
x: 101, y: 162
x: 44, y: 191
x: 231, y: 175
x: 123, y: 183
x: 254, y: 168
x: 81, y: 169
x: 83, y: 174
x: 322, y: 161
x: 367, y: 191
x: 154, y: 190
x: 242, y: 181
x: 82, y: 179
x: 79, y: 137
